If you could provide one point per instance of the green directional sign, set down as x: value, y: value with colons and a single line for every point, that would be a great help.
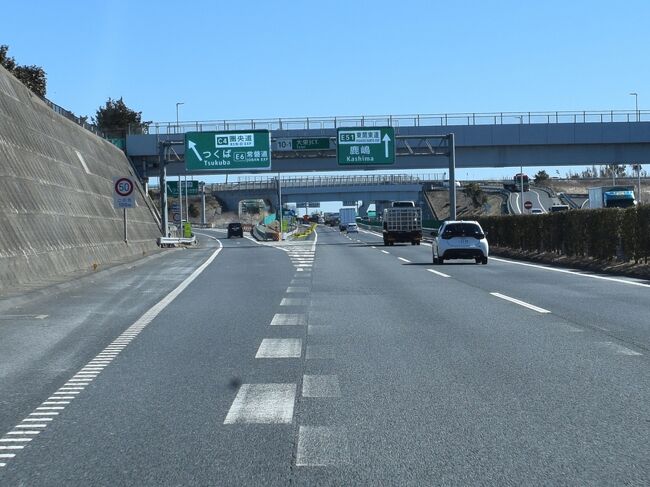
x: 305, y: 143
x: 359, y: 146
x: 189, y: 187
x: 223, y: 151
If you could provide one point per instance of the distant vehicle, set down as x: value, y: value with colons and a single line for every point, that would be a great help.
x: 460, y: 240
x: 537, y: 211
x: 347, y: 215
x: 402, y: 224
x: 352, y: 228
x: 445, y: 184
x: 235, y: 229
x: 321, y: 220
x: 555, y: 208
x: 515, y: 185
x: 403, y: 204
x: 611, y: 197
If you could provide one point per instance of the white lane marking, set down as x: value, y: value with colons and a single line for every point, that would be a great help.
x: 385, y: 252
x: 373, y: 247
x: 31, y: 425
x: 294, y: 302
x: 7, y: 455
x: 297, y: 289
x: 619, y: 349
x: 263, y: 403
x: 24, y: 432
x: 438, y: 273
x: 403, y: 259
x: 51, y: 403
x: 280, y: 348
x: 319, y: 352
x: 12, y: 447
x: 313, y: 246
x: 41, y: 317
x: 520, y: 303
x: 320, y: 386
x: 299, y: 281
x: 82, y: 378
x: 319, y: 446
x: 319, y: 330
x: 285, y: 319
x: 575, y: 273
x: 15, y: 440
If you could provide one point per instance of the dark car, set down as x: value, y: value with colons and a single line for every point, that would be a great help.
x: 235, y: 230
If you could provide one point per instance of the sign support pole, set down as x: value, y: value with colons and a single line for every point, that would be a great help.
x: 163, y: 194
x: 126, y: 240
x: 180, y: 201
x: 203, y: 221
x: 452, y: 176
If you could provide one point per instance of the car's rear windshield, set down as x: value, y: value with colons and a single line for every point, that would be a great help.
x: 462, y: 230
x: 234, y: 225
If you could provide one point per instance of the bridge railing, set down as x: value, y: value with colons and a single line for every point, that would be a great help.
x: 415, y: 120
x: 264, y: 183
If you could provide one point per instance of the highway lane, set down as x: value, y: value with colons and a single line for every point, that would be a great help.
x: 614, y: 306
x: 332, y: 362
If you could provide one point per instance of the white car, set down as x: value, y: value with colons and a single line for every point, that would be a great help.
x: 460, y: 240
x: 352, y: 228
x: 537, y: 211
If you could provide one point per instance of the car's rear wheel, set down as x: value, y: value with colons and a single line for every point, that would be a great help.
x: 484, y: 260
x: 413, y: 243
x: 477, y: 260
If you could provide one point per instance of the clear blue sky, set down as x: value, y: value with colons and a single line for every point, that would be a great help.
x: 244, y: 59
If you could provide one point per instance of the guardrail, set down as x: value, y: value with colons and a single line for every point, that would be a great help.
x: 261, y: 182
x: 411, y: 120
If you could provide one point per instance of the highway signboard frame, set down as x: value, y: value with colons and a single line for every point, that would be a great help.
x: 365, y: 146
x: 191, y: 188
x: 228, y: 150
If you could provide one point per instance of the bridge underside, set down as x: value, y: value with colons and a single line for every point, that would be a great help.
x: 477, y: 146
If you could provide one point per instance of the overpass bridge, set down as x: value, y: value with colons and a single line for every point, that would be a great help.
x: 482, y: 140
x: 369, y: 189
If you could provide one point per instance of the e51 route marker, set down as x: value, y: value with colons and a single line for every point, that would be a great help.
x: 358, y: 146
x: 228, y: 150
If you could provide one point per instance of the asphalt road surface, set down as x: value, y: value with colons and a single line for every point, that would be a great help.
x: 331, y: 361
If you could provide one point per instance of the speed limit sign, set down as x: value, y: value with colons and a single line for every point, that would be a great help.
x: 123, y: 192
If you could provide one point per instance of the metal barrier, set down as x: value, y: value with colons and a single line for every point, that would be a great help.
x: 265, y: 183
x: 415, y: 120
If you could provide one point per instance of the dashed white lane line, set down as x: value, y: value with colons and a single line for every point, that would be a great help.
x: 288, y: 319
x: 294, y: 302
x: 50, y: 409
x: 280, y: 348
x: 320, y: 386
x: 618, y: 349
x: 520, y: 303
x: 403, y: 259
x: 575, y: 273
x: 297, y: 289
x: 263, y: 403
x: 320, y: 446
x: 438, y: 273
x: 385, y: 251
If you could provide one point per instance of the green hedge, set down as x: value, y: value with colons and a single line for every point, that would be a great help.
x: 602, y: 234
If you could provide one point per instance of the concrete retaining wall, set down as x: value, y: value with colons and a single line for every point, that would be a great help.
x: 56, y: 207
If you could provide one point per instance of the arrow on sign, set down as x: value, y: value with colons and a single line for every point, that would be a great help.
x: 192, y: 146
x: 386, y: 140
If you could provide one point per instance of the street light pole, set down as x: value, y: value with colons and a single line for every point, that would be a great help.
x: 636, y: 105
x: 177, y: 105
